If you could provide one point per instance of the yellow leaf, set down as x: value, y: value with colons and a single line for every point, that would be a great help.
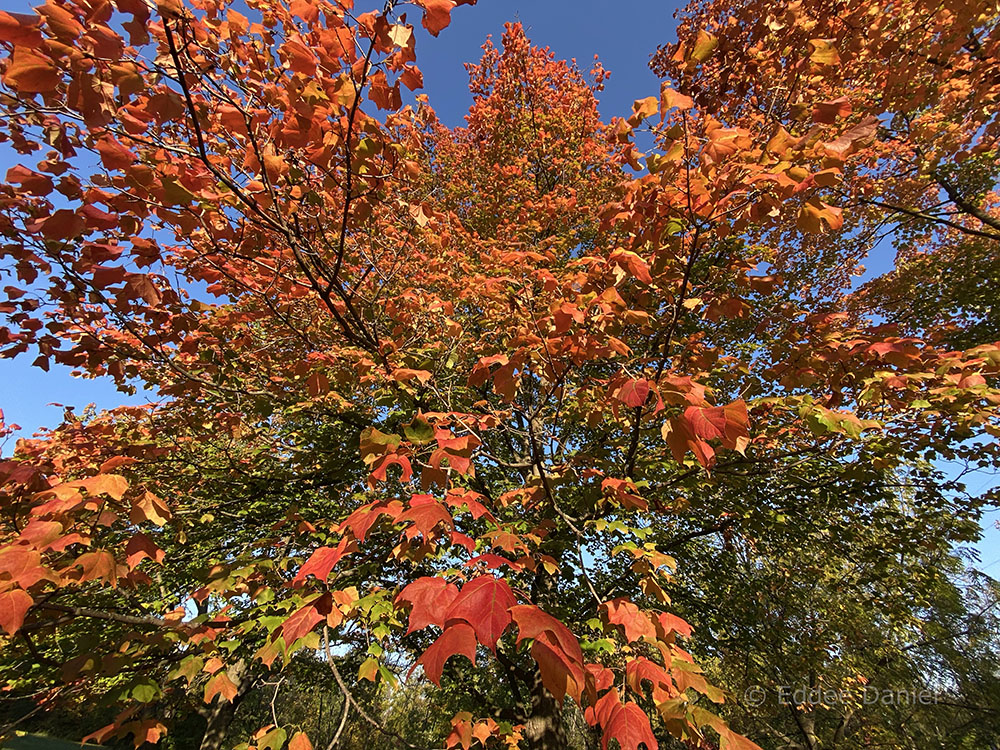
x: 704, y: 46
x: 823, y: 52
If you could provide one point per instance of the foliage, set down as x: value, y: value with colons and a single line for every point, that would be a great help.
x: 445, y: 402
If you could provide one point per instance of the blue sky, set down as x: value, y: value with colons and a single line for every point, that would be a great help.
x: 623, y: 34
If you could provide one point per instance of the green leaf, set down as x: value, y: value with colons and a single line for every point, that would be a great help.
x: 419, y: 431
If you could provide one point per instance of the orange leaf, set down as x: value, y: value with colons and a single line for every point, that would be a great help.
x: 634, y: 622
x: 306, y: 618
x: 20, y: 29
x: 220, y: 685
x: 31, y: 73
x: 437, y: 14
x: 14, y: 605
x: 457, y: 639
x: 630, y: 726
x: 560, y: 674
x: 823, y: 52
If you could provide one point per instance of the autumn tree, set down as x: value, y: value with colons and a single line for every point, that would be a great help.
x: 434, y: 403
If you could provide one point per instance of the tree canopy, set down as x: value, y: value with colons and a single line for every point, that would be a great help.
x: 538, y: 432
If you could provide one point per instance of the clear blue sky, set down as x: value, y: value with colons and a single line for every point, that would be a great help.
x: 623, y: 34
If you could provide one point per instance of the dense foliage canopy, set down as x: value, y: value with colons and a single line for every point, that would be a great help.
x: 538, y: 432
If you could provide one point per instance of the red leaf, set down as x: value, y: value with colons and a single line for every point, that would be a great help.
x: 300, y: 741
x: 456, y: 639
x: 63, y: 225
x: 630, y: 726
x: 737, y: 435
x: 533, y: 622
x: 98, y: 564
x: 361, y: 521
x: 113, y: 154
x: 426, y: 514
x: 673, y: 624
x: 642, y: 670
x: 429, y: 598
x: 305, y: 619
x: 437, y: 14
x: 14, y: 605
x: 139, y: 548
x: 23, y: 565
x: 634, y: 392
x: 378, y: 472
x: 32, y: 183
x: 706, y: 422
x: 484, y: 603
x: 560, y: 674
x: 321, y: 562
x: 112, y: 485
x: 308, y: 13
x: 828, y: 112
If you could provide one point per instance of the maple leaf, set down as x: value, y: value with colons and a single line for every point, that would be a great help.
x: 671, y: 99
x: 114, y: 155
x: 31, y: 73
x: 560, y: 674
x: 148, y: 507
x: 823, y: 51
x: 378, y: 472
x: 828, y: 112
x: 14, y: 605
x: 555, y: 649
x: 671, y: 623
x: 629, y: 725
x: 633, y: 393
x: 642, y: 670
x: 533, y: 622
x: 704, y: 46
x: 30, y: 182
x: 321, y: 562
x: 429, y: 598
x: 426, y: 514
x: 97, y: 564
x: 20, y: 30
x: 360, y: 522
x: 634, y: 622
x: 140, y: 547
x: 816, y: 216
x: 22, y: 565
x: 306, y: 618
x: 706, y: 422
x: 437, y: 14
x: 484, y: 603
x: 220, y: 684
x: 457, y: 639
x: 643, y: 108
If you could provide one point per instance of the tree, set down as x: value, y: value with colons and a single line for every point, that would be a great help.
x: 424, y: 392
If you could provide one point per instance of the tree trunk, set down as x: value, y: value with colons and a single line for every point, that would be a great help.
x: 544, y: 729
x: 219, y: 715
